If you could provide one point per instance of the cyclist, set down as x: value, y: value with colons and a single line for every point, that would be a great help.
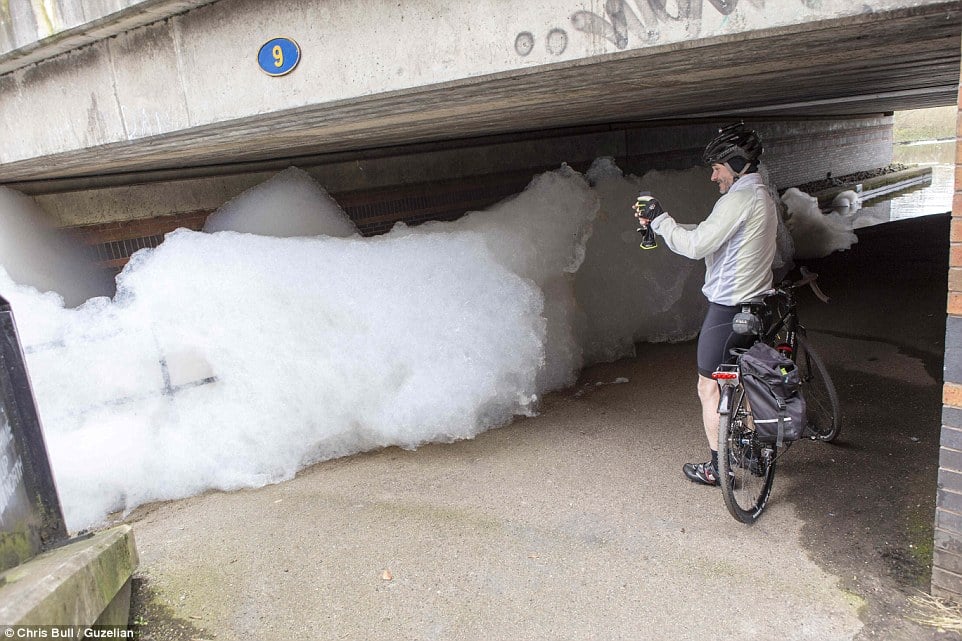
x: 737, y: 241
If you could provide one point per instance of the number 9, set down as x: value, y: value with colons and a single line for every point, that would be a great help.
x: 278, y: 54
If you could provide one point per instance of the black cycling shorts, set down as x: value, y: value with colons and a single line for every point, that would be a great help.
x: 717, y: 338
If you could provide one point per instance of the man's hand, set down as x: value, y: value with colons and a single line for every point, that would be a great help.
x: 647, y: 208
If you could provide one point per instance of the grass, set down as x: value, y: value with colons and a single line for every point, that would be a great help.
x: 936, y: 613
x: 936, y: 123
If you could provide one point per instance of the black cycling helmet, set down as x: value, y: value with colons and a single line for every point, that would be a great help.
x: 734, y: 142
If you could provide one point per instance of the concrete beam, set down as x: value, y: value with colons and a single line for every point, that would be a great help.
x: 72, y: 585
x: 34, y: 31
x: 374, y: 187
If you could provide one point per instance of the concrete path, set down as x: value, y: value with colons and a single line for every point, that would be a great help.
x: 575, y: 524
x: 572, y: 525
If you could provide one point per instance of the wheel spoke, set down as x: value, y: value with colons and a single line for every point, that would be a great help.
x: 746, y: 466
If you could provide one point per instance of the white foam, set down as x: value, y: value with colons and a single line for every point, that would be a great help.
x: 629, y: 294
x: 36, y: 255
x: 815, y: 234
x: 289, y: 204
x: 540, y: 234
x: 233, y: 359
x: 319, y: 347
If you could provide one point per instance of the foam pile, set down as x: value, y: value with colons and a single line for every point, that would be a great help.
x: 233, y: 359
x: 815, y: 234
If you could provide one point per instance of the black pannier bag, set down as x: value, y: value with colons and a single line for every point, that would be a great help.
x: 772, y: 384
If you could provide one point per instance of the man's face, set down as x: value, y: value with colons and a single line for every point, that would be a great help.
x: 723, y: 176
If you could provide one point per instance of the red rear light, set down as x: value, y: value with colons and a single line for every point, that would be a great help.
x: 784, y: 349
x: 724, y: 376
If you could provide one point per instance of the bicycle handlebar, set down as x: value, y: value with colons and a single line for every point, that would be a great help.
x: 809, y: 278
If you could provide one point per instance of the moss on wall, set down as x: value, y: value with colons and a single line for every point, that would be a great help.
x: 17, y: 545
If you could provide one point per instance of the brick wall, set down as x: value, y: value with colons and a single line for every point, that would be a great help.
x: 111, y: 244
x: 947, y: 561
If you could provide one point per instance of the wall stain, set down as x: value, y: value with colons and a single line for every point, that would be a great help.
x: 96, y: 127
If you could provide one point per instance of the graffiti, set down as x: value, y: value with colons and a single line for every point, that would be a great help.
x: 639, y: 21
x: 143, y: 124
x: 524, y: 43
x: 555, y: 42
x: 621, y: 21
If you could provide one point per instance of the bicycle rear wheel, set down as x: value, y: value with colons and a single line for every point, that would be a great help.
x: 821, y: 399
x: 746, y: 467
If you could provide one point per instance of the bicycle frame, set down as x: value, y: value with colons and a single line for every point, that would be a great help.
x: 788, y: 320
x: 783, y: 305
x: 785, y: 311
x: 746, y: 462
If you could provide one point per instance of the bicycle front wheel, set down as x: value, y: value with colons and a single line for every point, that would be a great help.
x: 821, y: 399
x: 746, y: 467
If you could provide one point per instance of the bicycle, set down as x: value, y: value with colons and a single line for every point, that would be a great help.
x: 746, y: 466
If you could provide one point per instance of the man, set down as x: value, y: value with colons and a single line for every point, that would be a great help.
x: 737, y: 241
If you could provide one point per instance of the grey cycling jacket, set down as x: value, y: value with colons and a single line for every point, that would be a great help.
x: 737, y: 241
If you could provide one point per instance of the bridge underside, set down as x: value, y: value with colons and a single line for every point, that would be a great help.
x: 877, y: 62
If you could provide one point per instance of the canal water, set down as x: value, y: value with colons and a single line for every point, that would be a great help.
x: 926, y: 201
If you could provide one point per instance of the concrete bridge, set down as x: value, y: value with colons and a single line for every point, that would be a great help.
x: 108, y: 87
x: 126, y: 119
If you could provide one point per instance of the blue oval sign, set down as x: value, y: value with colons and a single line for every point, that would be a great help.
x: 278, y: 56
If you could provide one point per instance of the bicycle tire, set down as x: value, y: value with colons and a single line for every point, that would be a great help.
x: 821, y: 399
x: 746, y: 468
